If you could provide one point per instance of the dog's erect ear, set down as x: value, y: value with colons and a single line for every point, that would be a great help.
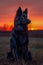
x: 19, y: 11
x: 18, y: 14
x: 25, y: 11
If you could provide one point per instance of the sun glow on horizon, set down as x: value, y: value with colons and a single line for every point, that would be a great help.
x: 9, y: 27
x: 36, y: 24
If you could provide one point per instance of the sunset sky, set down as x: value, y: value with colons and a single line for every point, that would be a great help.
x: 8, y: 10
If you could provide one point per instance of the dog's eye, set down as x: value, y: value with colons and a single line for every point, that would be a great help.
x: 24, y: 15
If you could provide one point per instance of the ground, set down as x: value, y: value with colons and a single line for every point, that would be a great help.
x: 35, y: 46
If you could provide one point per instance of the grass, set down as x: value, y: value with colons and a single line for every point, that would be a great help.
x: 35, y: 46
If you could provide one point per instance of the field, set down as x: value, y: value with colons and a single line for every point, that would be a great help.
x: 35, y: 46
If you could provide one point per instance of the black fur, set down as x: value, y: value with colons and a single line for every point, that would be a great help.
x: 19, y: 40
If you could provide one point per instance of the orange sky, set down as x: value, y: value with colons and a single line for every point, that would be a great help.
x: 8, y: 10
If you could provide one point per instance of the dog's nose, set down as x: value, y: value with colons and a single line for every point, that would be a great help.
x: 28, y: 21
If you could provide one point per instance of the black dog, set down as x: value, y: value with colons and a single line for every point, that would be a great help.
x: 19, y: 39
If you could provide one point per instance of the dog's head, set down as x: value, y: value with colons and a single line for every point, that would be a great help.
x: 21, y: 17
